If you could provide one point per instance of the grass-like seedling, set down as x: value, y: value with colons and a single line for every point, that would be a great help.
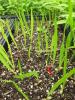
x: 39, y: 38
x: 54, y: 41
x: 31, y: 34
x: 62, y: 52
x: 10, y: 33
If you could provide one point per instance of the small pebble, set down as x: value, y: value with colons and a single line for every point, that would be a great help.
x: 29, y: 70
x: 30, y: 93
x: 35, y: 84
x: 47, y: 91
x: 3, y: 73
x: 31, y: 86
x: 38, y: 97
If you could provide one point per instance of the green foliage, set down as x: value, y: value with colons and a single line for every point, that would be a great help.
x: 60, y: 12
x: 39, y: 6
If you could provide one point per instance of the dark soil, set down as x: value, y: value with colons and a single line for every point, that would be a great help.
x: 36, y: 89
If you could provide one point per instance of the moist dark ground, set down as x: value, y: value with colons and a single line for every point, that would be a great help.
x: 36, y: 89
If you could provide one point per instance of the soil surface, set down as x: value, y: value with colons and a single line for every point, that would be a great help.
x: 36, y: 89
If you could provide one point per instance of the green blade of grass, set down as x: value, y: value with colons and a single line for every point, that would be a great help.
x: 10, y: 32
x: 46, y: 41
x: 54, y: 41
x: 19, y: 66
x: 32, y: 24
x: 61, y: 56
